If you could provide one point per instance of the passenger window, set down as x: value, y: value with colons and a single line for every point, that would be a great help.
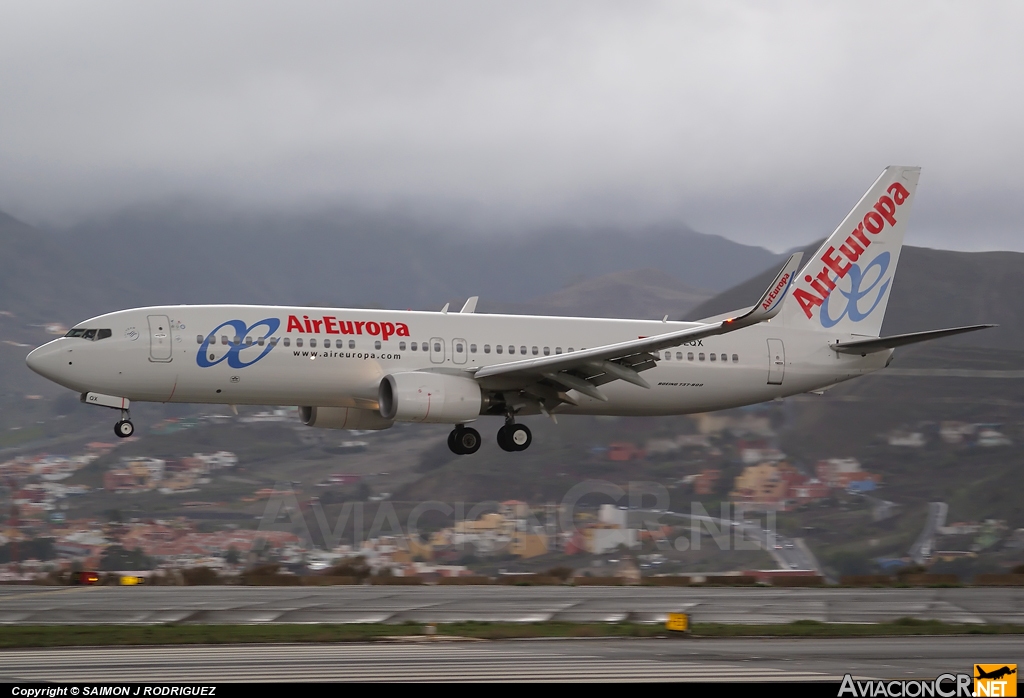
x: 327, y: 344
x: 376, y: 345
x: 700, y: 356
x: 522, y: 350
x: 571, y: 349
x: 535, y: 351
x: 261, y: 341
x: 713, y: 357
x: 558, y: 350
x: 287, y: 342
x: 312, y: 342
x: 274, y: 341
x: 414, y: 346
x: 472, y: 348
x: 199, y: 339
x: 724, y: 357
x: 547, y: 351
x: 351, y: 344
x: 458, y: 348
x: 237, y: 340
x: 498, y: 348
x: 487, y: 348
x: 689, y: 356
x: 224, y: 339
x: 248, y: 341
x: 735, y: 358
x: 298, y: 341
x: 679, y: 356
x: 423, y: 346
x: 437, y: 346
x: 401, y: 346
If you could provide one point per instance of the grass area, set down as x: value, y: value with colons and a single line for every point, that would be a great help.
x: 94, y: 635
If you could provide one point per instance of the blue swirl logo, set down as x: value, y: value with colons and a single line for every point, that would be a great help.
x: 856, y: 293
x: 234, y: 354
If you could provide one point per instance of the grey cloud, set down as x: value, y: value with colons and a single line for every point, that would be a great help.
x: 760, y: 122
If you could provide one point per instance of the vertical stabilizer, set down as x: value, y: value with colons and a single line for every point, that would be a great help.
x: 845, y: 285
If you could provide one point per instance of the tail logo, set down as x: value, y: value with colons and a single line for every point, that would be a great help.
x: 843, y: 261
x: 856, y: 293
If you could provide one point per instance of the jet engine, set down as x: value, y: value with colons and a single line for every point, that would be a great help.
x: 419, y: 396
x: 343, y: 418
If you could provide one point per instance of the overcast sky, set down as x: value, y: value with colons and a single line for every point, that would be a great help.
x: 762, y: 122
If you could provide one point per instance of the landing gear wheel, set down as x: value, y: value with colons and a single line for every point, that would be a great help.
x: 514, y: 437
x: 503, y: 441
x: 519, y: 437
x: 463, y: 441
x: 124, y: 428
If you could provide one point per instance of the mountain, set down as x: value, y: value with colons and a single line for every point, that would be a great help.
x: 932, y: 289
x: 353, y: 258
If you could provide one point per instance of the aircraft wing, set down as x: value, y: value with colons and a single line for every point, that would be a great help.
x: 584, y: 370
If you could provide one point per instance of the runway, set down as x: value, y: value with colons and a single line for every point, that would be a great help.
x: 686, y: 659
x: 29, y: 605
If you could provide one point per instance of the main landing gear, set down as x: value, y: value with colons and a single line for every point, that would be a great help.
x: 124, y: 427
x: 514, y: 437
x: 464, y: 440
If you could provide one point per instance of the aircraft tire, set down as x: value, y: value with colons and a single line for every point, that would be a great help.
x: 467, y: 441
x: 519, y: 437
x: 124, y: 429
x: 451, y: 442
x: 503, y: 441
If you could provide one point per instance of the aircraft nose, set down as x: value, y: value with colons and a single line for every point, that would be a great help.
x: 44, y: 361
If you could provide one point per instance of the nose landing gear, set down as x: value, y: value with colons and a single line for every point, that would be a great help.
x: 124, y: 427
x: 464, y: 440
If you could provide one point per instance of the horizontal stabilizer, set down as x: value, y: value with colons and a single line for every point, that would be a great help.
x: 870, y: 346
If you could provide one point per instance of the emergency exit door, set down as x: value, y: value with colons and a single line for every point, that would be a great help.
x: 159, y: 338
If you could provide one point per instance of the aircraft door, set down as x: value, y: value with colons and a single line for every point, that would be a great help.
x: 776, y: 362
x: 459, y: 351
x: 159, y: 338
x: 436, y: 350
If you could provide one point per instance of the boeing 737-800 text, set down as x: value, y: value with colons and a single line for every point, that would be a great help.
x: 367, y: 369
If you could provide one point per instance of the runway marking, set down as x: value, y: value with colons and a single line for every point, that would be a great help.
x: 49, y: 592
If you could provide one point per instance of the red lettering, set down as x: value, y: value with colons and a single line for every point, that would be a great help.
x: 806, y: 300
x: 403, y: 330
x: 899, y: 193
x: 886, y: 207
x: 359, y: 327
x: 874, y: 223
x: 372, y: 328
x: 823, y: 277
x: 308, y: 328
x: 329, y: 325
x: 386, y: 330
x: 345, y: 327
x: 859, y: 232
x: 851, y: 250
x: 816, y: 285
x: 294, y: 324
x: 317, y: 324
x: 834, y: 263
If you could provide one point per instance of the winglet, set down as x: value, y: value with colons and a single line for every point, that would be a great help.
x: 771, y: 302
x: 470, y: 306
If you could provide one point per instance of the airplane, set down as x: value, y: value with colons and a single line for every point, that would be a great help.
x: 368, y: 369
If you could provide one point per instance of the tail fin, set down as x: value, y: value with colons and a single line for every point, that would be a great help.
x: 845, y: 285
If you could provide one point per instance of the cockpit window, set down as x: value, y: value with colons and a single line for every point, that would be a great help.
x: 91, y: 335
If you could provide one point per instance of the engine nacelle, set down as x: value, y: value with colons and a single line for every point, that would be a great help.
x: 343, y: 418
x: 419, y: 396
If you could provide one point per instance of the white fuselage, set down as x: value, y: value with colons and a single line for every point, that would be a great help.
x: 329, y: 357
